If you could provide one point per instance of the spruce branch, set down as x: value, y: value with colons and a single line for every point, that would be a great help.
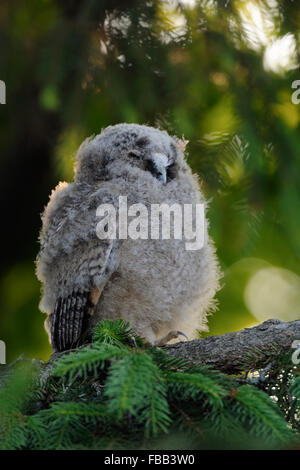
x: 111, y: 394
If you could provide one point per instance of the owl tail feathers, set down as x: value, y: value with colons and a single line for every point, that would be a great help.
x: 69, y: 320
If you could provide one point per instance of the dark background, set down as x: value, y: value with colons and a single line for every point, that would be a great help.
x: 219, y: 73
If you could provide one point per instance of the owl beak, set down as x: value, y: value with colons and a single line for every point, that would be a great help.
x: 162, y: 175
x: 160, y: 163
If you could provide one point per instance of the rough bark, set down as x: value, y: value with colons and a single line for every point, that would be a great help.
x: 245, y: 350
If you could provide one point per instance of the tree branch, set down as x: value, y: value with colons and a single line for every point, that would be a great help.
x: 245, y: 350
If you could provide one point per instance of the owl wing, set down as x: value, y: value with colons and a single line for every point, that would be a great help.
x: 73, y: 262
x: 72, y: 311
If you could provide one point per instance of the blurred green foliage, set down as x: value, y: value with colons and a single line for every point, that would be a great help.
x: 218, y: 72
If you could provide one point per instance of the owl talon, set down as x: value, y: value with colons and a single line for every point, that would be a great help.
x: 174, y: 334
x: 134, y: 341
x: 183, y: 334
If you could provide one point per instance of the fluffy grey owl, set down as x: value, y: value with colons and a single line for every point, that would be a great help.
x: 155, y: 284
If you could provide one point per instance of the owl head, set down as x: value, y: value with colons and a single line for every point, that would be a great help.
x: 120, y: 148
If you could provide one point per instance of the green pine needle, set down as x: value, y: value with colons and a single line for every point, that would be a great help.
x: 112, y: 394
x: 135, y: 386
x: 86, y: 361
x: 261, y: 415
x: 186, y: 386
x: 117, y: 333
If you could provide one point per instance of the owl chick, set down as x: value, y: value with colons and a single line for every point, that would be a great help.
x: 156, y: 284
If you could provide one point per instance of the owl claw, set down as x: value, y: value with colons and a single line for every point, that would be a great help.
x: 171, y: 335
x: 183, y: 334
x: 134, y: 341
